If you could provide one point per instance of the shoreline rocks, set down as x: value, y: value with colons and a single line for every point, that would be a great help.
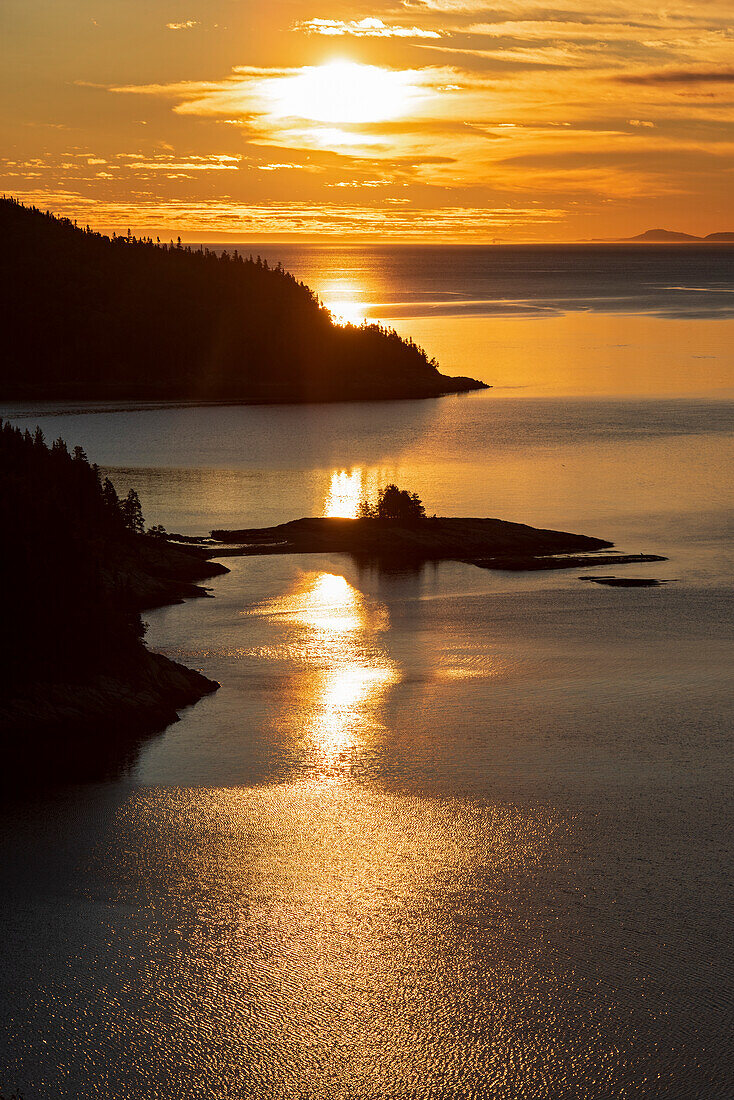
x: 92, y: 725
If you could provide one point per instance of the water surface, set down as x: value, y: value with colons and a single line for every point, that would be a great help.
x: 444, y: 833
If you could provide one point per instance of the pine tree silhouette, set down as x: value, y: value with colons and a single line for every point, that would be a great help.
x: 128, y: 318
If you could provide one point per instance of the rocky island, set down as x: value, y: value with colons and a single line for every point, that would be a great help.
x: 80, y: 690
x: 489, y: 543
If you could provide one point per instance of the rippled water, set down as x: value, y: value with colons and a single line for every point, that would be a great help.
x: 440, y: 834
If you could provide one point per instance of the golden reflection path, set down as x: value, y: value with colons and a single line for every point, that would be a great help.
x: 345, y: 492
x: 358, y: 939
x: 334, y: 631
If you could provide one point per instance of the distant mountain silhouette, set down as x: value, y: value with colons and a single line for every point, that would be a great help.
x: 84, y: 316
x: 661, y: 236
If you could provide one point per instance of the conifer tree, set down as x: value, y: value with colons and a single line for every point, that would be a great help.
x: 132, y: 513
x: 111, y: 501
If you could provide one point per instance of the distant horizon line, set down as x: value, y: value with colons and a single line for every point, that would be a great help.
x: 409, y: 242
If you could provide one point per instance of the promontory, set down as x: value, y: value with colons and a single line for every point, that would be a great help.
x: 85, y: 317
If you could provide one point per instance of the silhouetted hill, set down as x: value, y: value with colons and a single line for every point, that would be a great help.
x: 77, y: 683
x: 661, y: 236
x: 84, y: 316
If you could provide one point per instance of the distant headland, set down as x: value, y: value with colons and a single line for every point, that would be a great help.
x: 671, y: 236
x: 88, y: 317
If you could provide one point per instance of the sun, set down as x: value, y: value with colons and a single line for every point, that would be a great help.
x: 343, y: 92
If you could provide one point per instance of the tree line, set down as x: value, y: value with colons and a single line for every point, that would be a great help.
x: 91, y: 317
x: 62, y: 617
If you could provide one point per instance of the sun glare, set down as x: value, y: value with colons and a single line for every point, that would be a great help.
x: 343, y: 92
x: 345, y: 493
x: 345, y: 300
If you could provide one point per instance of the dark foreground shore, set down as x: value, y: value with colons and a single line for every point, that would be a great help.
x: 91, y: 726
x: 93, y: 729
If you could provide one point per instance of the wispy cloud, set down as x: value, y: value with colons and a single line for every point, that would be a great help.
x: 368, y: 27
x: 398, y: 220
x: 215, y: 162
x: 283, y: 166
x: 73, y: 166
x: 493, y: 123
x: 341, y: 107
x: 459, y: 104
x: 679, y: 76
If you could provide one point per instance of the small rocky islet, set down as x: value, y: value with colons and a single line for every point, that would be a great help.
x: 488, y: 543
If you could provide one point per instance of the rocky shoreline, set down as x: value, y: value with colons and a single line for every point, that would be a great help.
x: 57, y: 732
x: 92, y: 726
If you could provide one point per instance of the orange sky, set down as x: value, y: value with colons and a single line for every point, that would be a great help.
x: 422, y: 120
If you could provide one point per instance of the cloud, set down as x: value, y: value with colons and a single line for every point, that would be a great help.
x: 362, y: 28
x: 187, y: 26
x: 339, y: 106
x: 364, y: 183
x: 489, y: 122
x: 395, y: 221
x: 70, y: 166
x: 187, y: 164
x: 679, y: 76
x: 554, y: 104
x: 282, y: 166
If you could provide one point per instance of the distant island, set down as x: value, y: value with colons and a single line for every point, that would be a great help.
x: 78, y: 687
x: 86, y: 317
x: 670, y: 236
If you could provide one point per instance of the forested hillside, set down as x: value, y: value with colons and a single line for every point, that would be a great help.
x: 84, y: 317
x: 78, y: 568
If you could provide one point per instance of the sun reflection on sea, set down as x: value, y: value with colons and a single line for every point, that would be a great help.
x: 335, y: 633
x: 345, y: 493
x: 353, y: 936
x: 346, y: 301
x: 347, y: 488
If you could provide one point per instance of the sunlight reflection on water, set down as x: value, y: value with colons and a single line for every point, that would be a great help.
x: 333, y: 630
x: 345, y: 493
x: 477, y: 850
x: 302, y: 911
x: 348, y: 488
x: 346, y: 300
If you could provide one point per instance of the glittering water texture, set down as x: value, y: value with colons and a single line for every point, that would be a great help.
x: 322, y: 938
x: 440, y: 835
